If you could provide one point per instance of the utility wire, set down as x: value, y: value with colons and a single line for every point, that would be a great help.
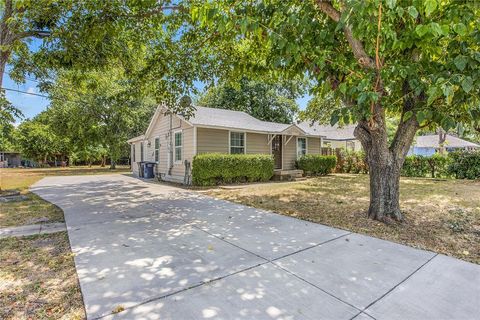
x: 25, y: 92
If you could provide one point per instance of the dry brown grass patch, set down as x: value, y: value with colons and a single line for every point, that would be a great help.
x: 440, y: 215
x: 38, y: 279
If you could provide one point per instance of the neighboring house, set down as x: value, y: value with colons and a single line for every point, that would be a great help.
x: 429, y: 145
x: 10, y: 159
x: 172, y: 140
x: 335, y: 137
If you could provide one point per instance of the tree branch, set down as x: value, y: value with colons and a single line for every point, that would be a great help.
x: 357, y: 47
x: 156, y: 11
x: 34, y: 33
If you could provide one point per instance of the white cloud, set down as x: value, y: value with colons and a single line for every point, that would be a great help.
x: 31, y: 90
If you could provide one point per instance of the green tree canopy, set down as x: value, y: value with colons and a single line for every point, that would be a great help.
x: 417, y: 59
x: 37, y: 140
x: 102, y: 112
x: 267, y: 102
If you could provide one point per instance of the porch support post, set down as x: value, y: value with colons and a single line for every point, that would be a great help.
x: 271, y: 139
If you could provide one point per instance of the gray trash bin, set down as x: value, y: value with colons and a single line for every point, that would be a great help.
x: 148, y: 170
x: 141, y: 169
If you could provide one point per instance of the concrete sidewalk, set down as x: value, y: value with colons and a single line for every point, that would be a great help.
x: 32, y: 229
x: 160, y: 252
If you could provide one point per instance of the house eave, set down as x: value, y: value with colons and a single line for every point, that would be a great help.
x: 252, y: 131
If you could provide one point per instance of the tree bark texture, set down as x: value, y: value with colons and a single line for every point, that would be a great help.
x: 385, y: 159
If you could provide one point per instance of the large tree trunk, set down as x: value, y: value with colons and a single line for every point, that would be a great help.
x: 385, y: 162
x: 384, y: 190
x: 113, y: 164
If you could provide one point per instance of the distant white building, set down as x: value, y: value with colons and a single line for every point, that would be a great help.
x: 429, y: 145
x: 334, y: 136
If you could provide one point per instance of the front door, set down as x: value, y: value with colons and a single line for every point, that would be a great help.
x: 277, y: 151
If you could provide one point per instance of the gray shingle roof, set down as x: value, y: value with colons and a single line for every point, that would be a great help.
x: 233, y: 120
x: 329, y: 132
x: 431, y: 141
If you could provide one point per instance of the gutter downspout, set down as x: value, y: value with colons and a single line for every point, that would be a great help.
x: 170, y: 149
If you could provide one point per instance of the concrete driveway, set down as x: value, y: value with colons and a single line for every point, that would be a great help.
x: 161, y: 252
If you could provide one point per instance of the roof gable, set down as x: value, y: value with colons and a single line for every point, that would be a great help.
x: 329, y: 132
x: 432, y: 141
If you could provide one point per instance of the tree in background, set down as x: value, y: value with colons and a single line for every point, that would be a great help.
x: 267, y: 102
x: 418, y: 60
x: 38, y: 141
x: 100, y: 115
x: 320, y: 108
x: 8, y: 137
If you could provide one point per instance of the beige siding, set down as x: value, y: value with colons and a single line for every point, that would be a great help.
x: 257, y: 143
x: 161, y: 129
x: 336, y: 144
x: 313, y: 146
x: 136, y: 145
x: 212, y: 140
x: 178, y: 168
x: 289, y: 152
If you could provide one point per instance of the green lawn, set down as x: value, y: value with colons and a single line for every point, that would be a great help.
x: 441, y: 215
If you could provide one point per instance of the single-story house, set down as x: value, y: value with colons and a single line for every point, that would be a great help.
x: 172, y: 140
x: 335, y: 137
x: 10, y: 159
x: 430, y: 144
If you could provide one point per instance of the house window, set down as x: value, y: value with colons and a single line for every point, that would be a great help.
x: 301, y: 147
x: 157, y: 149
x: 237, y: 142
x: 133, y: 152
x: 141, y: 151
x: 178, y: 146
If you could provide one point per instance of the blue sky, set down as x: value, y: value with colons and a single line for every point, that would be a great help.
x: 30, y: 105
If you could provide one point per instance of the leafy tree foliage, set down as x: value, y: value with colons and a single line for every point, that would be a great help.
x: 8, y: 140
x: 100, y: 115
x: 416, y: 59
x: 267, y: 102
x: 38, y: 141
x: 87, y: 35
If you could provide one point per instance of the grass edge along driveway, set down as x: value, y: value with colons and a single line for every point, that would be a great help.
x: 440, y: 215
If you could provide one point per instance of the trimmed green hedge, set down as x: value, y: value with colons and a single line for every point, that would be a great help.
x: 215, y: 168
x: 317, y: 164
x: 465, y: 164
x: 351, y: 162
x: 435, y: 166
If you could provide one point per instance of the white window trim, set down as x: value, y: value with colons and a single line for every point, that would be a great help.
x: 154, y: 149
x: 175, y: 161
x: 230, y: 141
x: 306, y: 146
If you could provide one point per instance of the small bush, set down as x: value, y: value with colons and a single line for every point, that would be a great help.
x: 415, y: 166
x: 434, y: 166
x: 317, y: 164
x: 215, y: 168
x: 351, y: 162
x: 465, y: 164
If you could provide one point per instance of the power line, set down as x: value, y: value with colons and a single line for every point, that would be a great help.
x: 26, y: 92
